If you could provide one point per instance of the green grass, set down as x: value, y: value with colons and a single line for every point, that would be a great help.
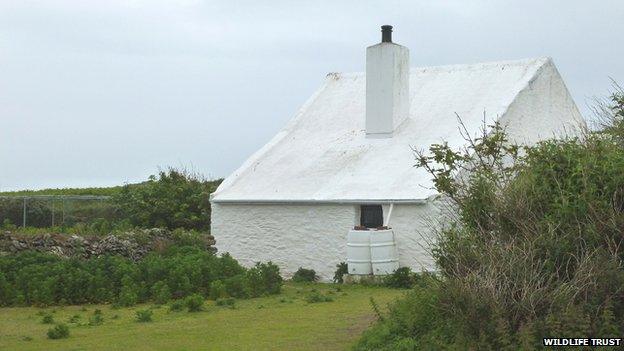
x: 281, y: 322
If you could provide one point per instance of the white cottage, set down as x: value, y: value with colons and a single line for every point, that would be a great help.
x: 346, y: 158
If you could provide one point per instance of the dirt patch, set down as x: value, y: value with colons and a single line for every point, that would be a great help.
x: 360, y: 324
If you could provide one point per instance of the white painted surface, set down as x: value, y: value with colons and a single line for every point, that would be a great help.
x: 324, y: 155
x: 544, y: 109
x: 314, y: 235
x: 384, y: 256
x: 387, y: 88
x: 294, y: 201
x: 359, y: 252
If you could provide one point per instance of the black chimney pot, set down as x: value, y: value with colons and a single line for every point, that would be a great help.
x: 386, y: 34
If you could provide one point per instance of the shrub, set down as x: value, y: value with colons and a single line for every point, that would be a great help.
x: 161, y: 293
x: 263, y: 278
x: 59, y: 331
x: 315, y: 297
x: 144, y: 316
x: 47, y: 319
x: 229, y: 301
x: 129, y: 294
x: 177, y: 305
x: 533, y: 249
x: 29, y: 278
x: 304, y: 275
x: 96, y: 319
x: 415, y: 320
x: 402, y: 278
x: 236, y: 286
x: 341, y: 269
x: 172, y: 199
x: 217, y: 290
x: 194, y: 303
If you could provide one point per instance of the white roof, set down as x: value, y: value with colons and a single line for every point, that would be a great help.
x: 322, y: 154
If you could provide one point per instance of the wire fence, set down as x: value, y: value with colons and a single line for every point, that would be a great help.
x: 54, y: 210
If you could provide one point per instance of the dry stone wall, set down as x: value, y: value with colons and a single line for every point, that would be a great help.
x: 133, y: 245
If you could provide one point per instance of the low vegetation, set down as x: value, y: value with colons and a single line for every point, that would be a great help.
x: 402, y: 278
x: 304, y: 275
x: 194, y: 303
x: 144, y: 316
x: 33, y: 278
x: 315, y: 296
x: 59, y: 331
x: 341, y: 270
x: 535, y: 251
x: 274, y: 322
x: 172, y: 199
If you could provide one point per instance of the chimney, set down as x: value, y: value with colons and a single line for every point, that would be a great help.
x: 387, y: 86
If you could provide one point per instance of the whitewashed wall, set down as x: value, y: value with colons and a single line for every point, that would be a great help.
x: 312, y: 235
x: 544, y: 109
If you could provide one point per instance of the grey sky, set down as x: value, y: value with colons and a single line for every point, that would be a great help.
x: 97, y: 93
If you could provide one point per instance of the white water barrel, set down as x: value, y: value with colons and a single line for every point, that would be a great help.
x: 358, y: 252
x: 384, y: 254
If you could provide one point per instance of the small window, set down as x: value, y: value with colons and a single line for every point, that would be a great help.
x: 371, y: 216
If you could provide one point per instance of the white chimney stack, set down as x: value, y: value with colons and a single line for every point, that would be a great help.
x: 387, y: 86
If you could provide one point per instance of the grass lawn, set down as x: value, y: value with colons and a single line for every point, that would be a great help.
x: 281, y: 322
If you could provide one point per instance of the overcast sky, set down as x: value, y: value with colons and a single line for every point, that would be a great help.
x: 98, y: 93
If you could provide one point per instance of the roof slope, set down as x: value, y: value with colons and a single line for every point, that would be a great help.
x: 323, y: 155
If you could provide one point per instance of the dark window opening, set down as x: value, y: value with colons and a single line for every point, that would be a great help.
x: 371, y: 216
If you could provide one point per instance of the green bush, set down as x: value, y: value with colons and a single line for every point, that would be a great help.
x: 161, y: 293
x: 96, y: 319
x: 176, y: 306
x: 315, y: 297
x: 534, y: 250
x: 129, y: 294
x: 304, y: 275
x: 263, y: 279
x: 229, y: 301
x: 341, y: 269
x: 144, y: 316
x: 402, y: 278
x: 173, y: 199
x: 236, y: 286
x: 414, y: 322
x: 47, y: 319
x: 194, y: 303
x: 59, y: 331
x: 36, y: 278
x: 217, y: 290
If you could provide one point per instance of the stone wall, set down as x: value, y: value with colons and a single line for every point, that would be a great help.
x: 133, y: 245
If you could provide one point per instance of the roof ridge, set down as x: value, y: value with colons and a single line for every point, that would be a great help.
x: 541, y: 60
